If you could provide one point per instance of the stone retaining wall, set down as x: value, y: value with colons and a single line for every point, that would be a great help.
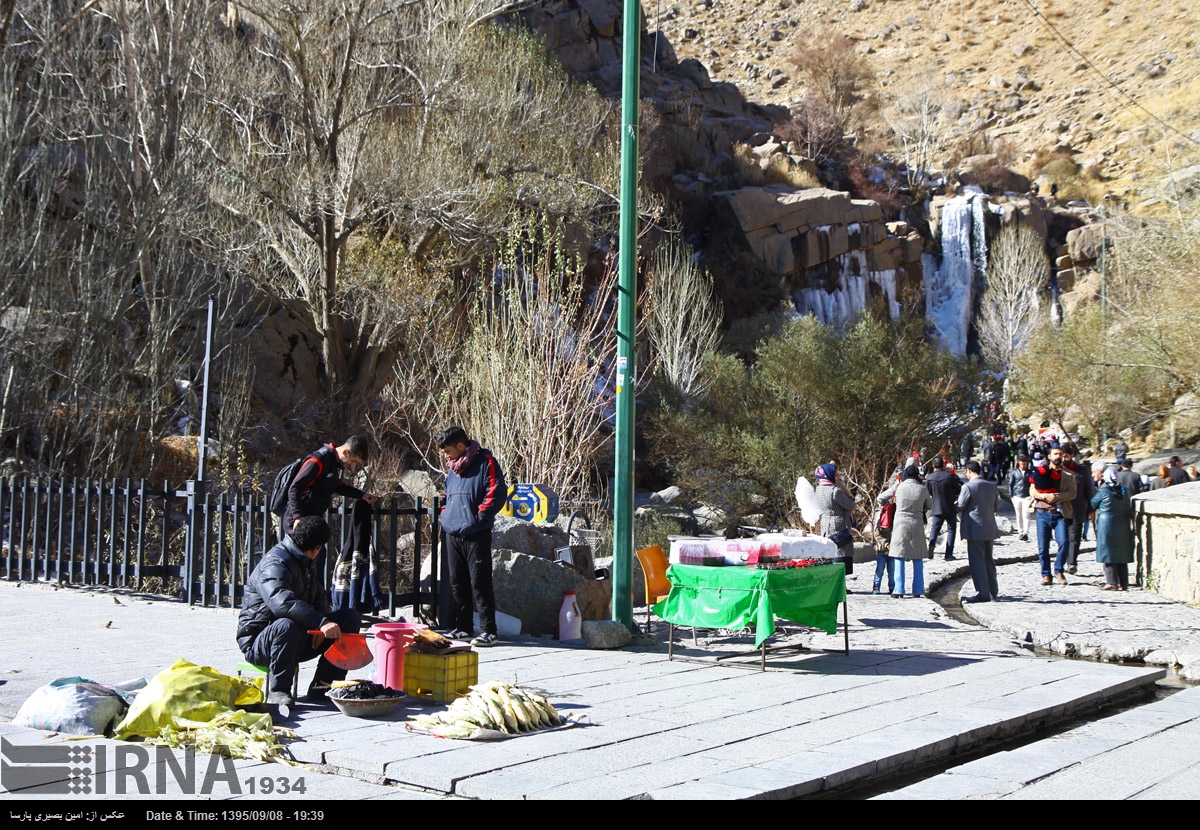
x: 1167, y: 524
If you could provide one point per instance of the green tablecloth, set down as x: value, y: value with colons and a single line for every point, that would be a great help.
x: 737, y: 597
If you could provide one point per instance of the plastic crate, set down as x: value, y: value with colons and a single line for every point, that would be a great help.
x: 440, y: 678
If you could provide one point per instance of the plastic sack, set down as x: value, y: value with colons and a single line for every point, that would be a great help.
x: 184, y: 694
x: 74, y: 706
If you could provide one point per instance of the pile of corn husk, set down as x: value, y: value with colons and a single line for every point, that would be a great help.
x: 233, y: 733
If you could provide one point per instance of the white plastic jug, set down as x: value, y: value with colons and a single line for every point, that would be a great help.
x: 570, y: 621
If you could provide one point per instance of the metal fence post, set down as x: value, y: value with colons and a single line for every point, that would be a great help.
x: 193, y: 543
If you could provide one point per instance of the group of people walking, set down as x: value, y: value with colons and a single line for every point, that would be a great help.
x: 1054, y: 494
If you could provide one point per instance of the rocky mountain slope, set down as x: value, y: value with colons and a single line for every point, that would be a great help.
x: 1114, y: 83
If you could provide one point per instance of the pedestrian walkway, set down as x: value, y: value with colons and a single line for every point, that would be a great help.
x: 1152, y: 752
x: 648, y: 726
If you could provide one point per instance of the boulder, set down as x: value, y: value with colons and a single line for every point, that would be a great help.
x: 418, y: 483
x: 525, y: 537
x: 670, y: 496
x: 1187, y: 419
x: 531, y: 588
x: 638, y: 578
x: 605, y: 634
x: 1085, y: 244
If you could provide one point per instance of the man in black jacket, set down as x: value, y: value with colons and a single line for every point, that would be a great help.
x: 319, y: 479
x: 944, y: 487
x: 475, y: 492
x: 284, y: 600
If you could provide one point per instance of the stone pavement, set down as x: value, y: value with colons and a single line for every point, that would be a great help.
x: 1143, y: 753
x: 918, y: 688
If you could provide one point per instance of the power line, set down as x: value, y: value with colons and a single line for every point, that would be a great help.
x: 1116, y: 86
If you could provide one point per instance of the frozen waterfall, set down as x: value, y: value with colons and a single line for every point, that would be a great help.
x: 851, y: 291
x: 950, y: 282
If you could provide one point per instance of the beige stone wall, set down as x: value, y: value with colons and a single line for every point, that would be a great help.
x: 1168, y: 554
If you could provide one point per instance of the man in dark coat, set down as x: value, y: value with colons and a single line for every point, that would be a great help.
x: 284, y: 600
x: 1176, y: 471
x: 978, y: 502
x: 944, y: 487
x: 1130, y: 481
x: 1081, y: 506
x: 475, y: 493
x: 319, y: 479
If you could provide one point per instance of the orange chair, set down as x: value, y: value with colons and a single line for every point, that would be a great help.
x: 654, y: 574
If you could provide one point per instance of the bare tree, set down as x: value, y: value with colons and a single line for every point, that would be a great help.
x: 835, y: 72
x: 421, y: 123
x: 915, y: 122
x: 683, y: 316
x: 1018, y: 271
x: 102, y: 225
x: 528, y: 371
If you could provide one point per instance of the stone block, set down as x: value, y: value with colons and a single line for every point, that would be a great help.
x: 911, y: 248
x: 604, y: 634
x: 777, y: 254
x: 752, y: 207
x: 839, y: 240
x: 864, y: 210
x: 885, y: 256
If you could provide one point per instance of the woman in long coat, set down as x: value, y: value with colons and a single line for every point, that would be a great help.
x: 837, y: 512
x: 908, y: 533
x: 1114, y: 535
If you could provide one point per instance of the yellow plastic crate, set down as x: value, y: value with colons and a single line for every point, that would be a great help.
x: 440, y: 678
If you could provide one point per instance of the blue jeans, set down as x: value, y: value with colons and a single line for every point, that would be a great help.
x: 935, y: 527
x: 883, y: 563
x: 1049, y: 522
x: 918, y: 585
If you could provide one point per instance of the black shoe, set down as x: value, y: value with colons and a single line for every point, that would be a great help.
x: 1024, y: 537
x: 977, y: 598
x: 458, y: 634
x: 485, y: 640
x: 317, y: 693
x: 950, y: 556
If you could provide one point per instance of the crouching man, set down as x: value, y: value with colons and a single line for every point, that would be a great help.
x: 284, y: 600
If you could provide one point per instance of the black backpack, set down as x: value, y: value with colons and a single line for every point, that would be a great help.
x: 278, y: 499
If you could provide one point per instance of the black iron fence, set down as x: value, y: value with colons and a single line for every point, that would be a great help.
x: 190, y: 543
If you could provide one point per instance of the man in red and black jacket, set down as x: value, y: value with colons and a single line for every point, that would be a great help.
x: 475, y: 492
x: 319, y: 479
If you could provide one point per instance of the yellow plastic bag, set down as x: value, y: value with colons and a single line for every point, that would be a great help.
x: 184, y: 693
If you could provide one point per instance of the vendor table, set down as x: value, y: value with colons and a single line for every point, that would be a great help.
x: 737, y: 597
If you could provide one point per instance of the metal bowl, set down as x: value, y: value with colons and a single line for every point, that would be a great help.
x: 375, y: 708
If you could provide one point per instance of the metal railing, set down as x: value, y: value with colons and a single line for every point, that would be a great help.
x: 190, y: 543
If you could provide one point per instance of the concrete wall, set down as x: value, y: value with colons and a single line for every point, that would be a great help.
x: 1167, y: 523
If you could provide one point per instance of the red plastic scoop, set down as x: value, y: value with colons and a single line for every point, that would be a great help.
x: 349, y: 652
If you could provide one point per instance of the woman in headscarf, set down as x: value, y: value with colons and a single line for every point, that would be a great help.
x: 908, y: 534
x: 837, y: 513
x: 1114, y: 532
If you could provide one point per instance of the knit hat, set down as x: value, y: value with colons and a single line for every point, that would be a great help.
x: 826, y: 473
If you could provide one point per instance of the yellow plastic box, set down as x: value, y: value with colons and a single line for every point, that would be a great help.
x: 440, y: 678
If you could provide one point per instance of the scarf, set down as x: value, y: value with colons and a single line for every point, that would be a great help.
x: 1110, y: 478
x: 459, y: 464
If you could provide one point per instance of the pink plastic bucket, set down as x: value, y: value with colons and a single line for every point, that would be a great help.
x: 391, y: 643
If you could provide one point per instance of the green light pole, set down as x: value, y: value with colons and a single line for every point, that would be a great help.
x: 622, y: 607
